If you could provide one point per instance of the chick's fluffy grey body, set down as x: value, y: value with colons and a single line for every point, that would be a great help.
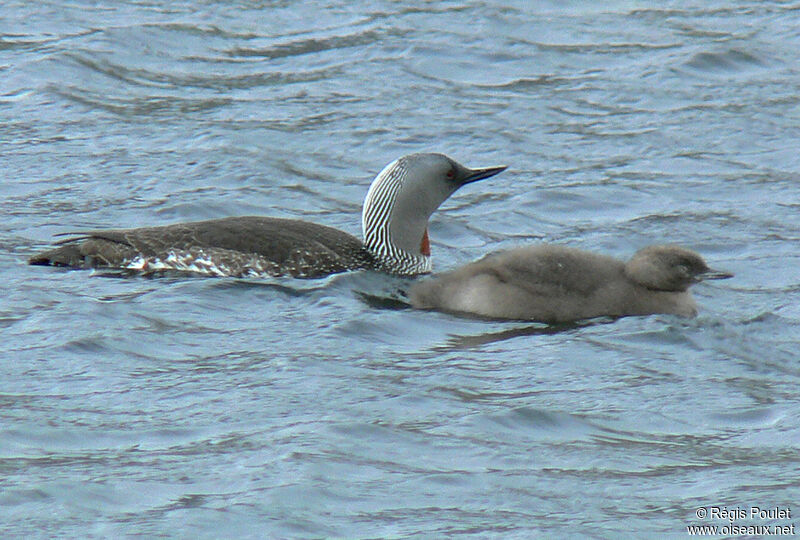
x: 551, y: 283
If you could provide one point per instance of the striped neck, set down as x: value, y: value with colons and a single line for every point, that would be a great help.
x: 376, y: 222
x: 396, y: 261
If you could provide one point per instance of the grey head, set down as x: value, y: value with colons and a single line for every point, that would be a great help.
x: 400, y: 201
x: 669, y: 268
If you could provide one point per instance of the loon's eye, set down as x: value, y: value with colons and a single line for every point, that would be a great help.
x: 451, y: 174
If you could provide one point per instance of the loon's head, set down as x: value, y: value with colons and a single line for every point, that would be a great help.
x: 669, y: 268
x: 400, y: 201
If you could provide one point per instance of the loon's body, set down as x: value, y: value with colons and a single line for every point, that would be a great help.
x: 394, y: 219
x: 555, y: 284
x: 234, y: 246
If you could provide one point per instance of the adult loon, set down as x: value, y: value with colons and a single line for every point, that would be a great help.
x: 395, y: 217
x: 555, y: 284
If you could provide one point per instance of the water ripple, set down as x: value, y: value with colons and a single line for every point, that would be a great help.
x: 141, y: 106
x: 313, y: 45
x: 731, y: 61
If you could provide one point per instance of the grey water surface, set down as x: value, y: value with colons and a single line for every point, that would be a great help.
x: 188, y: 407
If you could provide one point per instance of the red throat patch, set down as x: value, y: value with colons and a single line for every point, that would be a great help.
x: 425, y: 245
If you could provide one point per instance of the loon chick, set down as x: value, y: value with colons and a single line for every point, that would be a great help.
x: 395, y: 217
x: 555, y: 284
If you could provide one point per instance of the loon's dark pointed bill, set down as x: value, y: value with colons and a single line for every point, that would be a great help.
x: 713, y: 274
x: 473, y: 175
